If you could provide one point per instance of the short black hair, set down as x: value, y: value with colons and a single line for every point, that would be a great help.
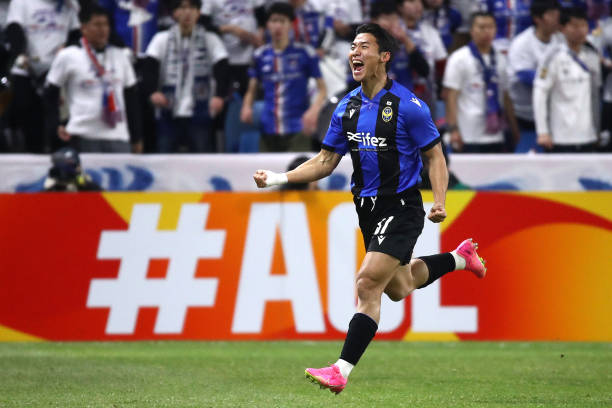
x: 539, y: 7
x: 386, y: 43
x: 573, y: 12
x: 193, y: 3
x: 383, y: 8
x: 90, y: 10
x: 284, y: 9
x: 477, y: 14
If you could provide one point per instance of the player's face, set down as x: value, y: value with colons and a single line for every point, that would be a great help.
x: 549, y: 21
x: 186, y: 15
x: 576, y: 31
x: 96, y: 31
x: 483, y: 30
x: 365, y: 59
x: 278, y: 26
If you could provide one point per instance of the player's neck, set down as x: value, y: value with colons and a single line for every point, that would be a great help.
x: 372, y: 86
x: 542, y: 35
x: 280, y: 44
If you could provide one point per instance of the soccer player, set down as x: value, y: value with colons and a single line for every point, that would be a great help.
x: 384, y: 126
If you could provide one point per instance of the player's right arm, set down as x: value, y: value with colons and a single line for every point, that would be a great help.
x: 316, y: 168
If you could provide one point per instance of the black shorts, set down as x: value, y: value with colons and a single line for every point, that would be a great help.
x: 391, y: 224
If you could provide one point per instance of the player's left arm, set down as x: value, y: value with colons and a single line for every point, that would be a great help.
x: 438, y: 175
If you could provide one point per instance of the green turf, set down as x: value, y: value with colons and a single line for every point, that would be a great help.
x: 270, y: 374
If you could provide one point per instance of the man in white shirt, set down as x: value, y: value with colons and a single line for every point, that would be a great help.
x: 602, y: 39
x: 180, y: 65
x: 566, y: 90
x: 476, y: 91
x: 36, y: 30
x: 525, y: 53
x: 101, y: 91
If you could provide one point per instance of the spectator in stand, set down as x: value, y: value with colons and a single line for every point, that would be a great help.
x: 36, y: 30
x: 312, y: 26
x: 511, y: 19
x: 178, y: 79
x: 602, y: 37
x: 526, y: 52
x: 284, y: 67
x: 443, y: 18
x: 428, y: 41
x: 133, y: 25
x: 595, y: 9
x: 566, y: 90
x: 235, y: 20
x: 66, y: 173
x: 475, y: 82
x: 408, y: 61
x: 101, y: 91
x: 135, y: 22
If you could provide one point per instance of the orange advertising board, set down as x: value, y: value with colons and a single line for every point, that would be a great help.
x: 236, y: 266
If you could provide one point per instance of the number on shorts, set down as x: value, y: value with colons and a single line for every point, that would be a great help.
x: 382, y: 225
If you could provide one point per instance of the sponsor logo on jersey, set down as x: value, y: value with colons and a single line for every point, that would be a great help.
x: 366, y: 140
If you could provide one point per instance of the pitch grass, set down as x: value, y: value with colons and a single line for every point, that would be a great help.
x: 271, y: 374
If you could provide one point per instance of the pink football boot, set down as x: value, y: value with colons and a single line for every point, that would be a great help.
x: 473, y: 263
x: 327, y: 377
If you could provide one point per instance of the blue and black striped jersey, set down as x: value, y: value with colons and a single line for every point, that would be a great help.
x: 384, y: 136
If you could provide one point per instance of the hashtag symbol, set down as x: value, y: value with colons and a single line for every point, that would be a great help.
x: 135, y: 248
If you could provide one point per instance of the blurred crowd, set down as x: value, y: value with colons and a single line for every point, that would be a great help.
x: 194, y: 76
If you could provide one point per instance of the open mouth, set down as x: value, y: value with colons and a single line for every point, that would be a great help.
x: 357, y: 66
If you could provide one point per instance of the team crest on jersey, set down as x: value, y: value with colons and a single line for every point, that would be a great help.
x: 387, y: 114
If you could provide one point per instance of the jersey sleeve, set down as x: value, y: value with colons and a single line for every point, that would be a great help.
x: 334, y: 140
x: 453, y: 75
x: 544, y: 81
x: 157, y: 46
x: 419, y: 124
x: 16, y: 13
x: 129, y: 76
x: 216, y: 46
x: 58, y: 73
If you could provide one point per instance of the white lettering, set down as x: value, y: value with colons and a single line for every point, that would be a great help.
x: 257, y: 286
x: 180, y: 289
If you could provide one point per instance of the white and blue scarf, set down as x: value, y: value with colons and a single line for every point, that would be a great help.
x: 181, y: 62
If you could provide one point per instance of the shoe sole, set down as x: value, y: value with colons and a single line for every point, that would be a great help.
x: 316, y: 381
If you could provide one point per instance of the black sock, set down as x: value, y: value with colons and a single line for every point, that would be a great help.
x: 362, y: 329
x: 438, y: 266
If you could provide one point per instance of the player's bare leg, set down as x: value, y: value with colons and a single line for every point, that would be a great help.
x: 377, y: 269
